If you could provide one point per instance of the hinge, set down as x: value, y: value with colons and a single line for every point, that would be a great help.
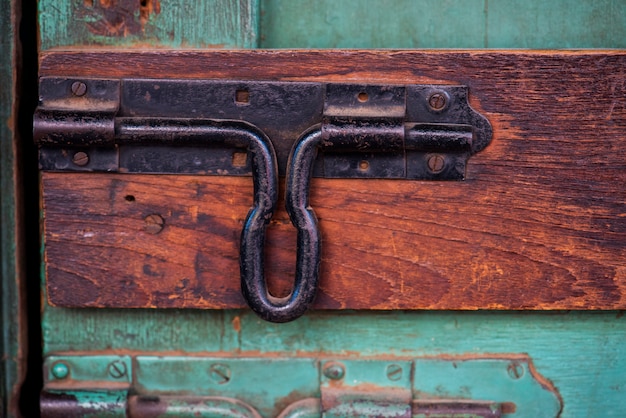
x: 369, y: 131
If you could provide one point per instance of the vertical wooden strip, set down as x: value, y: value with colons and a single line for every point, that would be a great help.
x: 154, y: 23
x: 11, y: 366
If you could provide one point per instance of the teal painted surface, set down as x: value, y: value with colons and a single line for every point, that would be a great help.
x: 167, y: 23
x: 536, y: 24
x: 271, y: 385
x: 582, y: 353
x: 9, y: 296
x: 487, y: 380
x: 116, y: 369
x: 268, y: 385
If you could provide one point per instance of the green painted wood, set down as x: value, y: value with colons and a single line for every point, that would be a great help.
x: 10, y: 367
x: 580, y: 352
x: 536, y: 24
x: 148, y: 23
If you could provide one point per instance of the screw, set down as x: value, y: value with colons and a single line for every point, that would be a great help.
x: 80, y: 158
x: 117, y: 369
x: 437, y: 101
x: 334, y: 371
x: 394, y: 372
x: 515, y: 370
x: 220, y: 373
x: 436, y: 163
x: 79, y: 88
x: 154, y: 224
x: 60, y: 370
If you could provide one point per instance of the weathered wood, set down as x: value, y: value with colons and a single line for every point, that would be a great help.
x: 141, y: 23
x: 13, y: 349
x: 538, y: 224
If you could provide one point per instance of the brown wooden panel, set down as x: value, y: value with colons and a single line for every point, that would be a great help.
x: 540, y: 222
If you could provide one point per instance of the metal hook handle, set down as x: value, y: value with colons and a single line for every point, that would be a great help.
x: 265, y: 180
x: 308, y: 248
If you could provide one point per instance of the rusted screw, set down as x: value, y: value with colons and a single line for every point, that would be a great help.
x: 437, y: 101
x: 220, y: 373
x: 60, y: 370
x: 79, y: 88
x: 80, y: 158
x: 334, y: 371
x: 436, y: 163
x: 515, y: 370
x: 394, y: 372
x: 117, y: 369
x: 153, y: 224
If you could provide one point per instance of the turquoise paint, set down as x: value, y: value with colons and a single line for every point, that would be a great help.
x: 178, y: 24
x: 10, y: 367
x: 59, y: 370
x: 271, y: 385
x: 117, y: 369
x: 268, y: 385
x: 486, y: 380
x: 580, y: 352
x: 535, y: 24
x: 370, y: 371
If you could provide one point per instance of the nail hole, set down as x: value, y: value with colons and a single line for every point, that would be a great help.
x: 364, y: 165
x: 143, y: 3
x: 362, y: 97
x: 239, y: 159
x: 242, y: 96
x: 129, y: 198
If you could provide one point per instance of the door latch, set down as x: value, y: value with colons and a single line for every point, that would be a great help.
x: 266, y: 130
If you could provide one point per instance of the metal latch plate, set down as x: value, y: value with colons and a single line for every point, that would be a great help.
x: 67, y: 124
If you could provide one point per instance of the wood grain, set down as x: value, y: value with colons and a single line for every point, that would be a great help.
x: 540, y: 222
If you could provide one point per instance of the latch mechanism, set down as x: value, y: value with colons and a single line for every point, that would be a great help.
x: 263, y: 129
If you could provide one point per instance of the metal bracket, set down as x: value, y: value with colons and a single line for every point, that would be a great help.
x: 415, y: 131
x: 263, y: 129
x: 296, y: 387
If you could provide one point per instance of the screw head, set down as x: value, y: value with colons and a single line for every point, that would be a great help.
x: 515, y: 370
x: 436, y: 163
x: 60, y: 370
x: 80, y: 158
x: 220, y: 373
x: 334, y: 371
x: 79, y: 88
x: 394, y: 372
x: 117, y: 369
x: 153, y: 224
x: 437, y: 101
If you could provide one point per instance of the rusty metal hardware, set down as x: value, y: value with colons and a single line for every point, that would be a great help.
x: 261, y: 129
x: 314, y: 387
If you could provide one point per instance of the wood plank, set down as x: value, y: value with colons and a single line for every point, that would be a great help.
x: 535, y: 24
x: 538, y: 224
x: 152, y: 23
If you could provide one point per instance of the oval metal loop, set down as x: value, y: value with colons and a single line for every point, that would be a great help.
x: 303, y: 218
x: 265, y: 179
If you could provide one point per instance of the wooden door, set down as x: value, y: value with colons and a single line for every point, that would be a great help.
x: 538, y: 272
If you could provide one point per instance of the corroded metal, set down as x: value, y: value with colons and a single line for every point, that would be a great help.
x: 194, y: 126
x: 298, y: 387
